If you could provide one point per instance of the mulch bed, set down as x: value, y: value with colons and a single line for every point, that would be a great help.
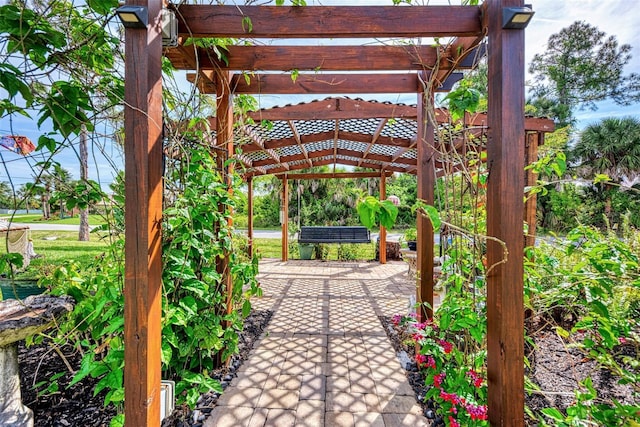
x: 555, y: 368
x: 76, y: 405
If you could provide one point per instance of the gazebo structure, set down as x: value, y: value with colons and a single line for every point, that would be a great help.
x: 419, y: 69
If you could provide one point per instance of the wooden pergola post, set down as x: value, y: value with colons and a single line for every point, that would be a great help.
x: 143, y: 221
x: 224, y: 139
x: 505, y: 212
x: 285, y: 218
x: 383, y: 230
x: 533, y: 141
x: 426, y: 184
x: 250, y: 216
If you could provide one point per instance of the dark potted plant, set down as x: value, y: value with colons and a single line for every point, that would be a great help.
x: 411, y: 237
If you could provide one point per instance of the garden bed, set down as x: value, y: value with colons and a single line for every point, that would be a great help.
x: 76, y: 405
x: 555, y: 368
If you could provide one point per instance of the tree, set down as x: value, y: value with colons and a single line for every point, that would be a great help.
x: 26, y: 193
x: 580, y: 67
x: 61, y: 178
x: 83, y: 232
x: 610, y: 147
x: 61, y: 60
x: 6, y: 195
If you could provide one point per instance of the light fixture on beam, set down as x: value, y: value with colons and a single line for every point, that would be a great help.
x: 133, y: 16
x: 169, y: 28
x: 516, y: 18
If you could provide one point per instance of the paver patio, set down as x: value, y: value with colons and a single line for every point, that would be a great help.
x: 324, y: 358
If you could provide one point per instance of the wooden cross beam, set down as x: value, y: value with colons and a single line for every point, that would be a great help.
x: 326, y: 22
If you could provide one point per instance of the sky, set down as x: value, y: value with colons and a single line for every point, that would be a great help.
x: 615, y: 17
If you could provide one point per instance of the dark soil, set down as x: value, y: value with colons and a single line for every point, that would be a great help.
x: 76, y: 406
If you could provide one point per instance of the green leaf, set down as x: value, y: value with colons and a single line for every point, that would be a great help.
x: 430, y: 212
x: 553, y: 413
x: 562, y: 333
x: 117, y: 421
x: 368, y: 210
x: 102, y: 7
x: 246, y: 308
x: 388, y: 213
x: 247, y: 25
x: 600, y: 178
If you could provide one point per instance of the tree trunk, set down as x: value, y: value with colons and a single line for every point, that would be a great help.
x: 46, y: 209
x: 83, y: 234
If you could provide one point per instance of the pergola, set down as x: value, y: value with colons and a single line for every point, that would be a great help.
x: 378, y: 136
x: 338, y: 131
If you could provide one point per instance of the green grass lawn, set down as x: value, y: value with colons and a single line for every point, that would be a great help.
x: 56, y: 247
x: 37, y: 218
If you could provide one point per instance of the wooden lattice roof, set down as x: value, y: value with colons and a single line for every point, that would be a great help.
x: 380, y: 136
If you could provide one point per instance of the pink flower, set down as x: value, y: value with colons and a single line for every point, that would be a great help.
x: 477, y: 412
x: 431, y: 363
x: 446, y: 346
x: 622, y: 340
x: 421, y: 359
x: 477, y: 379
x: 453, y: 422
x: 396, y: 319
x: 417, y: 337
x: 452, y: 398
x: 437, y: 380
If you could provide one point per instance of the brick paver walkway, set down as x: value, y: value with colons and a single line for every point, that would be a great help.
x: 324, y: 359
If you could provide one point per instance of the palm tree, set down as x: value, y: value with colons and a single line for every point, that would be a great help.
x: 610, y: 147
x: 26, y: 193
x: 61, y: 178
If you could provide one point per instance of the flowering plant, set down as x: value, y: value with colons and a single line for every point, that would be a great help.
x: 452, y: 358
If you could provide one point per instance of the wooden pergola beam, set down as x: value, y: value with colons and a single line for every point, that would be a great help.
x: 143, y: 222
x: 336, y: 175
x: 328, y: 22
x: 284, y: 212
x: 327, y: 83
x: 505, y: 213
x: 324, y: 162
x: 296, y: 136
x: 330, y: 153
x: 257, y: 141
x: 335, y: 108
x: 250, y: 217
x: 425, y: 191
x: 381, y: 124
x: 382, y: 236
x: 324, y: 58
x: 347, y: 108
x: 533, y: 141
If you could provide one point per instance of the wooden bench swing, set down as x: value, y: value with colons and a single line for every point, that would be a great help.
x: 334, y: 234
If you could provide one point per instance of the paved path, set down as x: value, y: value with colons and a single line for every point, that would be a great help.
x: 324, y: 359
